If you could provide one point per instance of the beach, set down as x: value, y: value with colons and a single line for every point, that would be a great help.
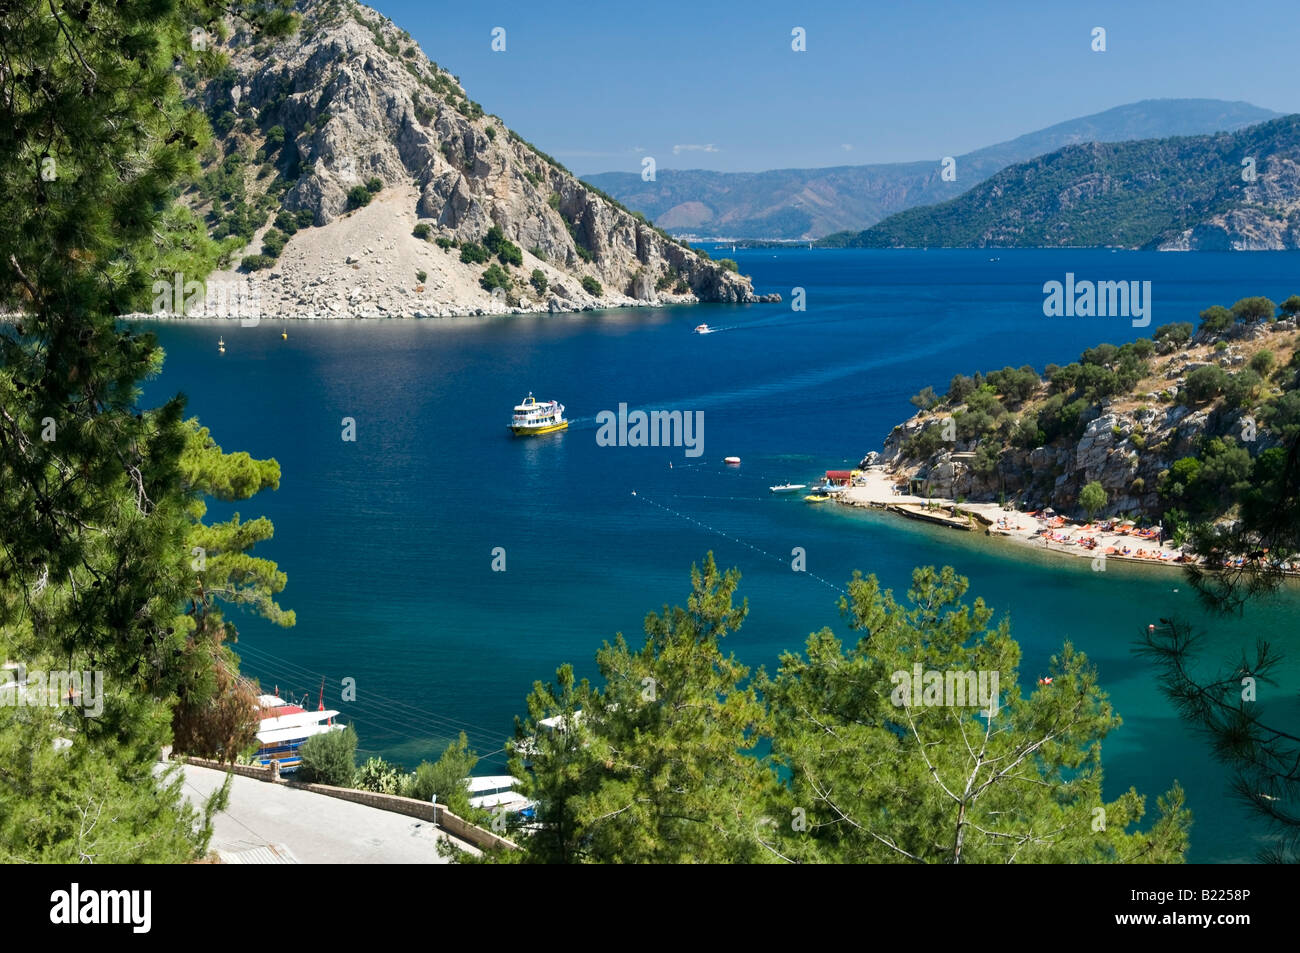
x: 1045, y: 530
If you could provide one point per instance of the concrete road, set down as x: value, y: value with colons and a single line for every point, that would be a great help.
x: 309, y: 828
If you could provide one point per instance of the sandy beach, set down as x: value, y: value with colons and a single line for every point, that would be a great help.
x: 1043, y: 530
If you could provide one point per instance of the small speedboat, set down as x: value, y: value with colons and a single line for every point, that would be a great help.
x: 816, y: 498
x: 731, y: 461
x: 703, y: 329
x: 787, y: 487
x: 221, y: 345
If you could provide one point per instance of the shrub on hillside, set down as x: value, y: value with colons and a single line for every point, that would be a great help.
x: 1202, y: 384
x: 330, y: 758
x: 446, y: 777
x: 256, y: 262
x: 493, y: 277
x: 592, y: 286
x: 472, y: 253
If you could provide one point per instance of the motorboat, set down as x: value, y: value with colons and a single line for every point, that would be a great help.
x: 787, y: 487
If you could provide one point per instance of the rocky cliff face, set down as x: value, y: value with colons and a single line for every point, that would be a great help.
x: 1128, y: 443
x: 358, y: 101
x: 1268, y: 218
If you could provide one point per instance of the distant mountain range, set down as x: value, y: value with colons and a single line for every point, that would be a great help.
x: 1237, y: 190
x: 811, y: 203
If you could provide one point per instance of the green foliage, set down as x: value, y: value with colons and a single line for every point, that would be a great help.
x: 274, y: 138
x: 1202, y: 384
x: 960, y: 388
x: 422, y: 231
x: 446, y: 777
x: 1019, y: 779
x: 305, y: 217
x: 94, y: 569
x: 286, y: 222
x: 330, y: 758
x: 1174, y: 334
x: 256, y: 262
x: 497, y: 244
x: 374, y: 184
x: 1290, y: 307
x: 592, y: 286
x: 273, y: 243
x: 1093, y: 499
x: 987, y: 456
x: 553, y: 200
x: 444, y: 243
x: 1261, y: 362
x: 653, y: 768
x: 509, y: 254
x: 494, y: 276
x: 1258, y: 308
x: 538, y: 281
x: 421, y: 275
x: 1216, y: 319
x: 729, y: 264
x: 358, y: 197
x: 472, y: 253
x: 1015, y: 386
x: 925, y: 442
x: 214, y: 714
x: 926, y: 399
x: 1241, y: 392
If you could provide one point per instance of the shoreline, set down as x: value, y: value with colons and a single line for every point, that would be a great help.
x: 1037, y: 531
x: 418, y: 315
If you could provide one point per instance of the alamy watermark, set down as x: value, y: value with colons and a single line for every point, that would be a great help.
x: 952, y: 689
x: 54, y: 689
x: 1102, y: 299
x: 233, y: 298
x: 655, y: 428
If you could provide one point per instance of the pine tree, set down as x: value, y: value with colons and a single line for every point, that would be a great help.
x: 656, y: 769
x: 94, y: 513
x: 876, y: 777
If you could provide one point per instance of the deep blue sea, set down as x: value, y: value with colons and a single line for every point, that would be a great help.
x: 388, y: 541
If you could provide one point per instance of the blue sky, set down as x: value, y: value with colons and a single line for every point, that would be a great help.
x: 716, y: 85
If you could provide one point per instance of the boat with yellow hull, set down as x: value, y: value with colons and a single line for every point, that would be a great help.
x: 533, y: 418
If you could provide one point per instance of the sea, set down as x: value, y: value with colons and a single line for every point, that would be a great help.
x: 438, y: 566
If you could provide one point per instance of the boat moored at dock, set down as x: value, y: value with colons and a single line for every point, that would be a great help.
x: 282, y: 728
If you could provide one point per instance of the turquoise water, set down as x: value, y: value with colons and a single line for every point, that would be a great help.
x: 388, y: 541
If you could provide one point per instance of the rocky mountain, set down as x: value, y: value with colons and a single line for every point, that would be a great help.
x: 351, y: 175
x: 811, y: 203
x: 1128, y: 418
x: 1238, y: 190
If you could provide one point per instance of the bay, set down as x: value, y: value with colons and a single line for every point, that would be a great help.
x: 388, y: 541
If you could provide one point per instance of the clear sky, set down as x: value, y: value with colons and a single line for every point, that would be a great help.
x: 711, y: 85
